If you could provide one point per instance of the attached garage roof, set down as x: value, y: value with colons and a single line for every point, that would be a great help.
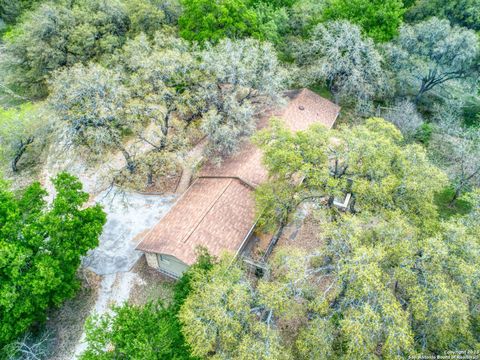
x: 216, y: 213
x: 218, y: 210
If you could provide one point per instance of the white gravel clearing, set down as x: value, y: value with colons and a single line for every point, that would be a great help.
x: 129, y: 216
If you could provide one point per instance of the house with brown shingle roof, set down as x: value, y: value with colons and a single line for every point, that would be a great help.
x: 217, y: 211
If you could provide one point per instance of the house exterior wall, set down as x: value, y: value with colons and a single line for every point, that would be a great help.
x: 166, y: 264
x: 152, y: 260
x: 170, y: 265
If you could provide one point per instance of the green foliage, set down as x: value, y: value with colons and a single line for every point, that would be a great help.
x: 183, y: 287
x: 41, y: 248
x: 424, y: 133
x: 91, y: 100
x: 378, y: 282
x: 377, y: 287
x: 145, y: 16
x: 447, y: 208
x: 380, y: 19
x: 276, y: 3
x: 464, y: 13
x: 471, y: 112
x: 457, y: 150
x: 158, y: 88
x: 249, y: 77
x: 11, y: 10
x: 205, y: 20
x: 101, y: 107
x: 432, y: 53
x: 273, y: 22
x: 150, y: 16
x: 368, y: 160
x: 304, y: 15
x: 147, y: 332
x: 217, y: 320
x: 289, y: 155
x: 316, y: 340
x: 389, y: 272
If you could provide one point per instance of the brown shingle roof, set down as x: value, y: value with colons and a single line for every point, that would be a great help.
x: 246, y: 164
x: 218, y: 209
x: 306, y: 108
x: 216, y: 213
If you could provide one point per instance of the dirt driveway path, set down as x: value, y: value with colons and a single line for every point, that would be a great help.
x: 129, y: 216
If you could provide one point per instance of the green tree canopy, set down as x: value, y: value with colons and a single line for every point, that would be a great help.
x: 380, y: 19
x: 205, y: 20
x: 160, y: 86
x: 145, y: 16
x: 10, y: 10
x: 457, y: 149
x: 41, y: 247
x: 246, y: 76
x: 374, y: 288
x: 148, y: 332
x: 91, y: 100
x: 369, y: 161
x: 386, y: 280
x: 464, y: 13
x: 217, y: 318
x: 22, y: 130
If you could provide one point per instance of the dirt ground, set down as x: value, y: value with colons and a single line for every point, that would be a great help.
x: 66, y: 323
x: 140, y: 285
x: 154, y: 285
x: 306, y: 236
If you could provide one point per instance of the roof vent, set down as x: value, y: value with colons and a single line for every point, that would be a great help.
x: 301, y: 107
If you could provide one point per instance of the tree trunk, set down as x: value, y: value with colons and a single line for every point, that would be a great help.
x: 462, y: 184
x: 150, y: 177
x: 330, y: 201
x: 352, y: 205
x: 22, y: 147
x: 336, y: 98
x: 423, y: 89
x: 128, y: 159
x: 458, y: 190
x: 417, y: 98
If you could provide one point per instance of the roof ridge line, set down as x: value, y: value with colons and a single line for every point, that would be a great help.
x: 249, y: 184
x: 187, y: 236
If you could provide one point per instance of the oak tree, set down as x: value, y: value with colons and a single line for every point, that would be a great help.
x: 431, y: 53
x: 337, y: 55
